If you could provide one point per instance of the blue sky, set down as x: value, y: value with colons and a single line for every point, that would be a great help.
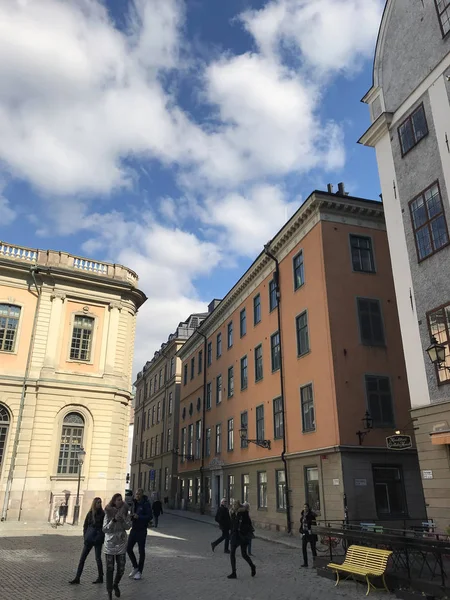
x: 175, y: 137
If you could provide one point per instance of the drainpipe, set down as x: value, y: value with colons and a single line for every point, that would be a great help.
x: 268, y: 252
x: 33, y: 270
x: 202, y: 468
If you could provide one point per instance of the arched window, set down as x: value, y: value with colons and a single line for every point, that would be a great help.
x: 4, y: 426
x: 81, y: 345
x: 9, y: 324
x: 71, y: 442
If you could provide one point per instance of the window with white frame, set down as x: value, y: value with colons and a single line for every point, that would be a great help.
x: 262, y: 489
x: 71, y: 443
x: 9, y: 325
x: 230, y: 445
x: 82, y: 333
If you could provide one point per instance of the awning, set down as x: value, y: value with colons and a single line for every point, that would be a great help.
x: 440, y: 438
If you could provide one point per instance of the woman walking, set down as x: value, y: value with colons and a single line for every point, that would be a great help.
x: 117, y: 521
x: 307, y: 521
x: 241, y: 529
x: 246, y: 505
x: 93, y: 538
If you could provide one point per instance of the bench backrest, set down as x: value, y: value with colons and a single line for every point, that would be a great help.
x: 371, y: 559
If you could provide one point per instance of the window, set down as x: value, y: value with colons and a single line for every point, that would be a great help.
x: 170, y: 403
x: 245, y: 487
x: 262, y: 489
x: 4, y: 427
x: 230, y: 488
x: 156, y: 381
x: 166, y: 478
x: 198, y: 439
x: 256, y: 309
x: 169, y: 440
x: 244, y: 373
x: 71, y: 443
x: 200, y: 361
x: 413, y: 129
x: 209, y: 353
x: 260, y: 422
x: 370, y: 322
x: 149, y: 416
x: 280, y: 478
x: 190, y: 444
x: 208, y: 442
x: 302, y: 334
x: 230, y: 382
x: 299, y: 272
x: 160, y: 378
x: 146, y: 448
x: 230, y: 334
x: 150, y: 387
x: 273, y: 295
x: 428, y: 220
x: 243, y: 322
x: 81, y: 345
x: 197, y: 490
x: 219, y: 389
x: 207, y: 490
x: 389, y: 490
x: 439, y: 324
x: 362, y: 254
x: 192, y: 368
x: 307, y: 402
x: 183, y: 444
x: 152, y: 447
x: 443, y: 9
x: 275, y: 351
x: 244, y: 425
x: 172, y: 366
x: 278, y: 418
x: 219, y: 345
x: 218, y: 438
x: 158, y: 413
x: 208, y: 395
x: 185, y: 376
x: 158, y: 445
x: 379, y: 400
x: 258, y: 363
x: 230, y: 445
x: 312, y: 488
x: 153, y: 414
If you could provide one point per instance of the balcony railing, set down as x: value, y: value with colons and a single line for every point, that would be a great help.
x: 18, y: 253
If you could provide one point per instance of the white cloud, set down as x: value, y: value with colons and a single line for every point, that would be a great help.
x: 332, y: 35
x: 8, y: 215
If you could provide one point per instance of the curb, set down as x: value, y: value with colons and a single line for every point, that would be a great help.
x: 263, y: 537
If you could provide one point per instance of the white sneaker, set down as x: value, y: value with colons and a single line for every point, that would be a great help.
x: 137, y: 576
x: 133, y: 572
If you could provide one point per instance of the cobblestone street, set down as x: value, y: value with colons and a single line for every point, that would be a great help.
x: 179, y: 564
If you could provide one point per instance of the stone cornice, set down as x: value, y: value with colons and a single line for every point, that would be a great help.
x: 319, y: 204
x: 377, y: 130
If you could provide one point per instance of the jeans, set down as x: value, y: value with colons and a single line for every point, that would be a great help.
x: 139, y: 538
x: 249, y: 547
x: 312, y: 541
x: 225, y: 536
x: 120, y: 562
x: 245, y: 556
x: 98, y: 557
x: 156, y: 519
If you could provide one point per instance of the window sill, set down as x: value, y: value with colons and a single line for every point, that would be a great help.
x: 415, y: 145
x: 370, y: 345
x: 272, y: 309
x: 262, y: 508
x: 66, y: 478
x: 445, y: 382
x: 304, y: 354
x: 230, y: 396
x: 13, y: 352
x: 306, y: 431
x: 257, y: 323
x: 259, y: 380
x: 244, y: 388
x: 364, y: 272
x: 275, y: 370
x: 281, y: 510
x: 298, y: 287
x: 421, y: 260
x: 277, y: 439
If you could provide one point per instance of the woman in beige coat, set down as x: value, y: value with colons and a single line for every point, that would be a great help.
x: 117, y: 521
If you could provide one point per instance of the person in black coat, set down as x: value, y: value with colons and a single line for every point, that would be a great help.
x: 93, y: 538
x: 224, y: 521
x: 157, y: 510
x: 307, y: 521
x: 241, y: 533
x: 141, y: 515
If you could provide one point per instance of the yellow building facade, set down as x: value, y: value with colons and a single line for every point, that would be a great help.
x: 67, y: 330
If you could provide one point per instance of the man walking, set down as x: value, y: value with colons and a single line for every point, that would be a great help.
x: 141, y: 514
x: 307, y: 522
x: 224, y: 520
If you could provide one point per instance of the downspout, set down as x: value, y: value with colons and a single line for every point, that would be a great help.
x: 202, y: 468
x: 33, y: 270
x: 268, y: 252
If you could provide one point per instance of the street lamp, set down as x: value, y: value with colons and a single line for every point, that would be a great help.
x: 368, y: 426
x: 262, y: 443
x: 80, y: 460
x: 436, y: 353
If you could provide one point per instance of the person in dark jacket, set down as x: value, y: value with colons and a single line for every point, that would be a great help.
x: 241, y: 531
x: 93, y: 538
x: 141, y: 515
x: 307, y: 521
x: 224, y: 521
x: 157, y: 510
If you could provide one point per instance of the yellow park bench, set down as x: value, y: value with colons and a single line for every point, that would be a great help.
x: 363, y: 562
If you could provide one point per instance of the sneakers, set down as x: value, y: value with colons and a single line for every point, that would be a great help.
x: 74, y: 581
x: 138, y: 576
x: 253, y: 570
x: 212, y: 546
x: 133, y: 573
x: 116, y: 590
x: 232, y: 576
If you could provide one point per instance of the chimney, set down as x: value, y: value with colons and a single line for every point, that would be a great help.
x: 341, y: 189
x: 330, y: 188
x: 213, y: 305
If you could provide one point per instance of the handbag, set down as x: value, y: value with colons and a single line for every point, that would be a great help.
x: 93, y: 536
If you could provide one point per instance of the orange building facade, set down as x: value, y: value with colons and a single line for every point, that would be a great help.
x: 340, y: 356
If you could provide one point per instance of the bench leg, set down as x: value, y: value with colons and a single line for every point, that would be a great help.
x: 384, y: 583
x: 368, y: 585
x: 337, y: 579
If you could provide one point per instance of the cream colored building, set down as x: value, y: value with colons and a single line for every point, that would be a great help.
x: 67, y: 329
x: 156, y: 419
